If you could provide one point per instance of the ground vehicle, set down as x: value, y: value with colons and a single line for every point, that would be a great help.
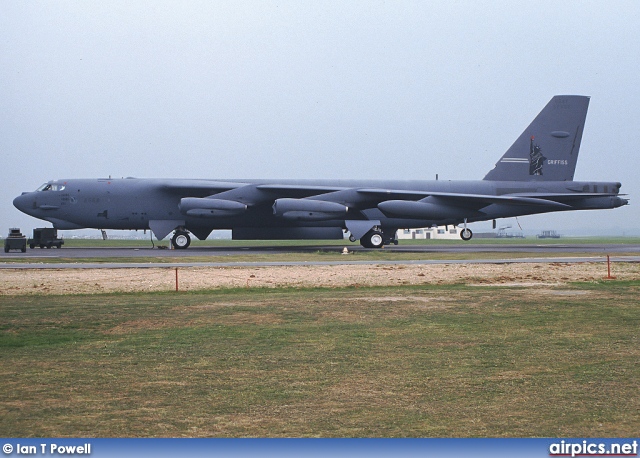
x: 15, y: 241
x: 45, y: 237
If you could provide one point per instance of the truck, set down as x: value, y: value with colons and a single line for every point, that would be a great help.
x: 15, y: 241
x: 45, y: 237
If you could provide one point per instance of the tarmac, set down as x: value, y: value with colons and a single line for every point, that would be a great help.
x: 215, y: 256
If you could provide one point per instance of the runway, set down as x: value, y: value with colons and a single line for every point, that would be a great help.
x: 218, y: 256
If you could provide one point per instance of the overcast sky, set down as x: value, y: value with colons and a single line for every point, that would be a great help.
x: 326, y: 89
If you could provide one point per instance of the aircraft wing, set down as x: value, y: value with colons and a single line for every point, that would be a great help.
x: 230, y: 189
x: 471, y: 201
x: 317, y: 202
x: 298, y: 191
x: 357, y: 197
x: 567, y: 197
x: 186, y: 187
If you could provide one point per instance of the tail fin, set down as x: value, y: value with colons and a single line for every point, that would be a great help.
x: 548, y: 149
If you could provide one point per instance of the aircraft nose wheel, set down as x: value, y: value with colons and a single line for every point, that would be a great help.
x: 466, y: 234
x: 181, y: 240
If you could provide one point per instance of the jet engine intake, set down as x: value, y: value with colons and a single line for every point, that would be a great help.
x: 308, y: 210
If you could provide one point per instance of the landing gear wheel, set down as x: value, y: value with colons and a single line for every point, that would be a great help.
x: 181, y: 240
x: 372, y: 239
x: 352, y: 238
x: 466, y: 234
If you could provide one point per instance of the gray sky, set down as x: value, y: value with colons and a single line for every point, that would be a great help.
x: 326, y: 89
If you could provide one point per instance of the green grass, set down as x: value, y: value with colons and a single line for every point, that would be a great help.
x: 375, y: 362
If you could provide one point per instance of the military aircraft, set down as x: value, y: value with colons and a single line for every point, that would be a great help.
x: 535, y: 175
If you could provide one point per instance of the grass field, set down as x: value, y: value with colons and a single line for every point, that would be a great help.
x: 355, y: 362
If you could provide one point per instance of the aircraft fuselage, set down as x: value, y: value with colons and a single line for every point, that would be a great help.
x: 135, y: 204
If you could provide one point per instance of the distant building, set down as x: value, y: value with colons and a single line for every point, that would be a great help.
x: 548, y: 235
x: 440, y: 232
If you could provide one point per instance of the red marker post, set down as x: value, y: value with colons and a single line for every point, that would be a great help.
x: 609, y: 277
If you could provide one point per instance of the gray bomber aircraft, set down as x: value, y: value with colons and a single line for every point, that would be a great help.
x: 535, y: 175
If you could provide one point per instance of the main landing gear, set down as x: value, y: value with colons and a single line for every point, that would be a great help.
x: 376, y: 238
x: 372, y: 239
x: 181, y: 240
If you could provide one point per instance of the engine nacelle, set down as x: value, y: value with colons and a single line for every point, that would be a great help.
x: 308, y: 210
x: 207, y: 208
x: 597, y: 203
x: 422, y: 210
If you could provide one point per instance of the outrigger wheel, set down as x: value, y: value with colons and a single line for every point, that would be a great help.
x: 181, y: 240
x: 466, y: 234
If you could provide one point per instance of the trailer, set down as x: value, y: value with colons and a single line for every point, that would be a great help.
x: 45, y: 237
x: 15, y: 241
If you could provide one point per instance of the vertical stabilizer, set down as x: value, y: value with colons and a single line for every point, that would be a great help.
x: 548, y: 149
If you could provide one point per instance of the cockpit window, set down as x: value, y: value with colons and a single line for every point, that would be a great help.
x: 51, y: 187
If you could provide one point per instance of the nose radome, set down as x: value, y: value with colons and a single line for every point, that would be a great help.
x: 22, y: 202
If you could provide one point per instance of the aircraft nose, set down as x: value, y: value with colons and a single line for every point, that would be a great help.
x: 23, y: 202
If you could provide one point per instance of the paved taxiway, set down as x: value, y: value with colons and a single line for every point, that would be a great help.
x: 215, y: 256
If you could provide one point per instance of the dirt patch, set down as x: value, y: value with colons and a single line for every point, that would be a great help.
x: 87, y: 281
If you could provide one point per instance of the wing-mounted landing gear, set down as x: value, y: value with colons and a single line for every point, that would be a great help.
x: 181, y: 239
x: 466, y: 233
